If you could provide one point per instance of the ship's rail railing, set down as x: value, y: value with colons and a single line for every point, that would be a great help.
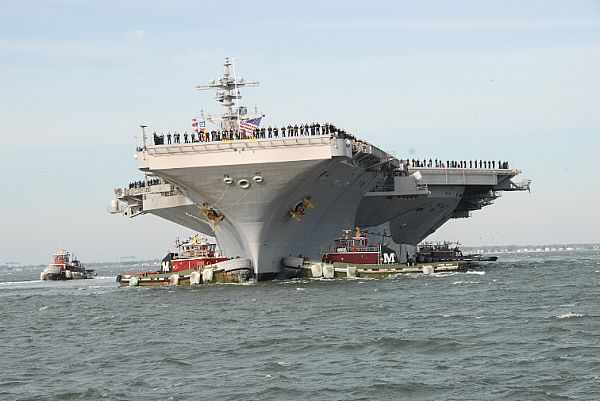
x: 383, y: 188
x: 370, y: 155
x: 392, y: 188
x: 435, y: 246
x: 464, y: 170
x: 163, y: 188
x: 133, y: 191
x: 499, y: 179
x: 203, y: 253
x: 172, y: 192
x: 352, y: 249
x: 367, y: 148
x: 240, y: 144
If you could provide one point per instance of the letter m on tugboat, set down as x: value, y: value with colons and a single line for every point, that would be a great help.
x: 389, y: 257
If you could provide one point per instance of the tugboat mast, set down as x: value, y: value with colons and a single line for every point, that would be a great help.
x: 227, y: 91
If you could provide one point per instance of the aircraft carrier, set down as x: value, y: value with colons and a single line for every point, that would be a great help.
x: 269, y: 196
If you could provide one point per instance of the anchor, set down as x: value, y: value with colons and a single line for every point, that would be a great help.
x: 300, y: 208
x: 212, y: 215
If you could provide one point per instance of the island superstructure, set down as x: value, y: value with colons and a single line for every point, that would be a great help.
x: 268, y: 197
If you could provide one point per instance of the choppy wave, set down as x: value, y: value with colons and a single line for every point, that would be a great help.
x: 568, y: 315
x: 23, y: 282
x: 517, y: 330
x: 477, y: 272
x: 465, y: 282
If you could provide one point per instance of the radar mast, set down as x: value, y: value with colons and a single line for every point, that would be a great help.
x: 227, y: 91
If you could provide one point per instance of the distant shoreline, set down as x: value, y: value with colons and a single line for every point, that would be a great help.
x: 529, y: 248
x: 465, y: 249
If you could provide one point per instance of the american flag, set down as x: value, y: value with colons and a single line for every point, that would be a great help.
x: 250, y: 125
x: 198, y: 125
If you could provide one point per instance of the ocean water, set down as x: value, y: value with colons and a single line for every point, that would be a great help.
x: 524, y: 328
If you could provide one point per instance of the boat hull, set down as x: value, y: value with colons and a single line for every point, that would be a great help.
x: 233, y: 271
x: 319, y: 270
x: 62, y: 275
x: 480, y: 258
x: 268, y: 200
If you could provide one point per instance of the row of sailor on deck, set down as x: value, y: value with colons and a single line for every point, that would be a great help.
x: 491, y: 164
x: 262, y: 133
x: 142, y: 184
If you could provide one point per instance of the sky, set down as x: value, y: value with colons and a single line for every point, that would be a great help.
x: 509, y: 80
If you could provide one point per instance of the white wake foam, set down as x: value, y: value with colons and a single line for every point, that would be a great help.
x: 568, y: 315
x: 477, y: 272
x: 20, y: 282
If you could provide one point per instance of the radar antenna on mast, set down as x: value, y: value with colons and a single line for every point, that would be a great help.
x: 227, y: 91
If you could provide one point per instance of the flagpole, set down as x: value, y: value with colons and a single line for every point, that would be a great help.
x: 237, y: 92
x: 143, y: 127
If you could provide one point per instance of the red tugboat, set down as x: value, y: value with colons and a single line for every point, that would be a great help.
x: 355, y: 249
x: 438, y: 252
x: 353, y: 256
x: 65, y: 268
x: 197, y: 261
x: 195, y: 253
